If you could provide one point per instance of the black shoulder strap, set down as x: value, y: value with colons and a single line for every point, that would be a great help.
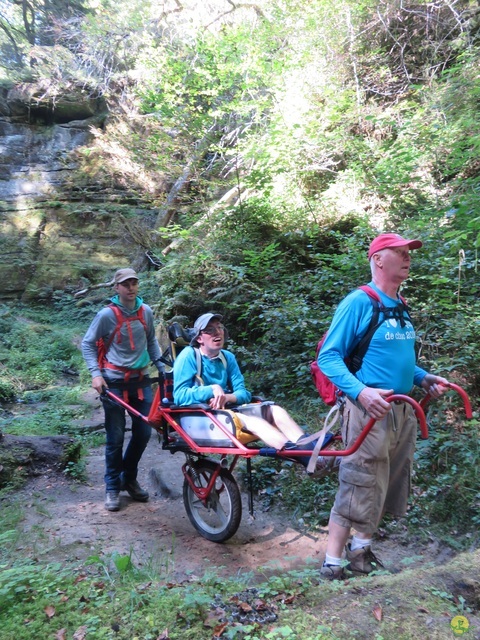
x: 356, y: 357
x: 198, y: 358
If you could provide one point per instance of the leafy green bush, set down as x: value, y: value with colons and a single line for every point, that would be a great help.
x: 35, y: 350
x: 447, y: 474
x: 7, y: 390
x: 74, y: 460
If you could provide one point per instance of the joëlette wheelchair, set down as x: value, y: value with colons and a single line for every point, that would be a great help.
x: 210, y: 491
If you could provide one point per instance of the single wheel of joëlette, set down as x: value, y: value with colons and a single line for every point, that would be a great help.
x: 219, y: 517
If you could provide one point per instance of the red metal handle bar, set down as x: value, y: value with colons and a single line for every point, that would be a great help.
x: 109, y: 395
x: 397, y: 397
x: 461, y: 392
x: 419, y: 413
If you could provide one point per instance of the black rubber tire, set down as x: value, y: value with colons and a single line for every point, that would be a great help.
x: 220, y: 519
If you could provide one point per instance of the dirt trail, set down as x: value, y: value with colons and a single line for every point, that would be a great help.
x: 76, y: 525
x: 68, y: 520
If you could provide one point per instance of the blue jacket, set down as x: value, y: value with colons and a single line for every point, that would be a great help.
x: 185, y: 389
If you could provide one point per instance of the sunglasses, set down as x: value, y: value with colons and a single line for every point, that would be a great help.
x: 211, y: 331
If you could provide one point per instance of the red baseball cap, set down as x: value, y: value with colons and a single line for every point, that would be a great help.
x: 390, y: 240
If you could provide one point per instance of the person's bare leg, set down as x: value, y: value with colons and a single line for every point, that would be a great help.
x: 286, y: 423
x: 264, y: 430
x: 337, y: 539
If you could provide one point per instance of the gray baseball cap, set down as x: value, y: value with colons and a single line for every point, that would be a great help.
x: 201, y: 323
x: 124, y: 274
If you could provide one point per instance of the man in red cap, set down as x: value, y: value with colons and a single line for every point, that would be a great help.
x: 376, y: 478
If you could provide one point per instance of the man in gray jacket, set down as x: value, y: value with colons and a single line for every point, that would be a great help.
x: 118, y: 347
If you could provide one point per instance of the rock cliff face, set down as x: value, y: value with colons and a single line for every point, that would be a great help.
x: 53, y: 234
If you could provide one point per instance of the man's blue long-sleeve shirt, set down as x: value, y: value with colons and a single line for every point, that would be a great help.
x: 390, y: 362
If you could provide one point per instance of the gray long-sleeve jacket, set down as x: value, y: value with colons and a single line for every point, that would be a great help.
x: 120, y: 353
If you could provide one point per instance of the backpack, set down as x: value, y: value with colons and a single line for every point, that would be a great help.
x: 103, y: 347
x: 179, y: 339
x: 329, y: 393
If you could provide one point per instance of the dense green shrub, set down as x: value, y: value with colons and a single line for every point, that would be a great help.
x: 35, y: 351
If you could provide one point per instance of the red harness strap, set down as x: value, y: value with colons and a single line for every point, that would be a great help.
x: 126, y: 378
x: 121, y: 319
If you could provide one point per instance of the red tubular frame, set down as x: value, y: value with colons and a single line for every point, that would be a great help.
x: 367, y: 428
x: 202, y: 492
x: 168, y: 414
x: 239, y: 449
x: 461, y: 392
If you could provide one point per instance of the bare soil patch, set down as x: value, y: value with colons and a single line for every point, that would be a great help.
x: 67, y: 519
x: 75, y: 524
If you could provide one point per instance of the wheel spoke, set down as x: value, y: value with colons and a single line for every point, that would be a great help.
x: 218, y: 518
x: 221, y: 512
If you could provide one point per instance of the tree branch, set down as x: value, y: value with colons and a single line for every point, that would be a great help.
x: 167, y: 212
x: 240, y: 5
x: 102, y: 285
x: 235, y: 193
x: 12, y: 40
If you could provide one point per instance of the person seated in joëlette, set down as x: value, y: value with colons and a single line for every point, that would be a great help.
x: 221, y: 384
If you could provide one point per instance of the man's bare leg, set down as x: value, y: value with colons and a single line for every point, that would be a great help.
x: 264, y: 430
x: 286, y: 423
x: 337, y: 539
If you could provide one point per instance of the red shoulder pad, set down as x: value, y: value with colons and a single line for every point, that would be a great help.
x: 141, y: 317
x: 370, y: 292
x: 373, y: 294
x: 118, y: 314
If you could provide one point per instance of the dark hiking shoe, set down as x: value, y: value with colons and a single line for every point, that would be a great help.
x: 112, y: 501
x: 325, y: 465
x: 362, y: 561
x: 135, y: 491
x: 298, y: 446
x: 332, y: 572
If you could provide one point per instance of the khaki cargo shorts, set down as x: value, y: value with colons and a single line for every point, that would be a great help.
x: 376, y: 478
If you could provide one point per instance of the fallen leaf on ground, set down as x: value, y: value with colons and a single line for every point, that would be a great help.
x: 212, y: 618
x: 218, y: 631
x: 260, y: 605
x: 377, y: 612
x: 80, y: 633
